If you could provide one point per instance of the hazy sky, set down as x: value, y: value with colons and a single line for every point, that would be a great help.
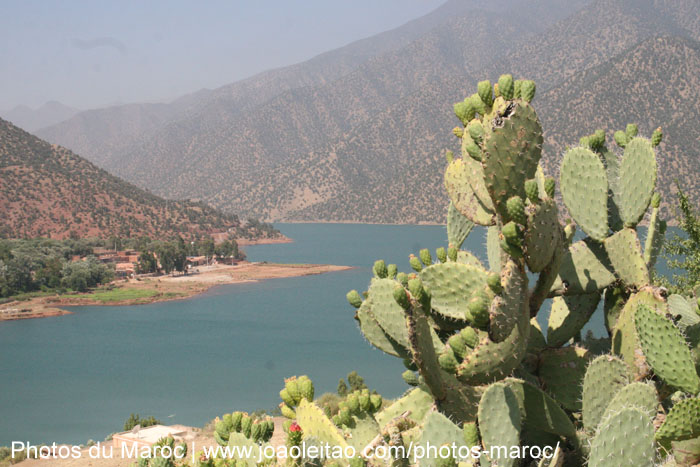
x: 94, y: 53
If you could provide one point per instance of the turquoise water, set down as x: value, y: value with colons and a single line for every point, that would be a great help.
x: 76, y: 377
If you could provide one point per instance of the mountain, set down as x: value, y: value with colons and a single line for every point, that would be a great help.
x: 366, y: 145
x: 48, y: 114
x: 46, y: 190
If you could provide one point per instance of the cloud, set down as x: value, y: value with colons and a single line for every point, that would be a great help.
x: 87, y: 44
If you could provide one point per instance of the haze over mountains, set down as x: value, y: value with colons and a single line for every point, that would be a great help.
x: 48, y: 114
x: 357, y: 134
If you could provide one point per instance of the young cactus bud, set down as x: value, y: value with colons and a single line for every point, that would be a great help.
x: 505, y: 86
x: 514, y: 251
x: 484, y: 91
x: 286, y: 411
x: 391, y: 271
x: 353, y: 402
x: 306, y: 387
x: 415, y: 286
x: 461, y: 111
x: 473, y: 150
x: 236, y: 421
x: 380, y: 270
x: 532, y: 190
x: 494, y: 282
x: 657, y: 136
x: 401, y: 297
x: 365, y: 403
x: 458, y: 132
x: 511, y: 233
x: 288, y: 399
x: 246, y: 425
x: 344, y: 417
x: 517, y: 86
x: 410, y: 378
x: 449, y: 156
x: 478, y: 104
x: 452, y: 253
x: 655, y: 200
x: 479, y: 309
x: 415, y: 263
x: 441, y: 254
x: 458, y: 346
x: 496, y: 91
x: 447, y: 361
x: 354, y: 298
x: 425, y: 256
x: 402, y: 277
x: 476, y: 131
x: 256, y: 431
x: 527, y: 90
x: 516, y: 209
x: 597, y: 140
x: 620, y: 138
x: 549, y: 186
x: 375, y: 402
x: 631, y: 131
x: 469, y: 336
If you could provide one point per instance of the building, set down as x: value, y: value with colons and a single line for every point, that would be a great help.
x: 148, y: 436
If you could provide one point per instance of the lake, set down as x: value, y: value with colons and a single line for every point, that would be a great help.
x: 76, y: 377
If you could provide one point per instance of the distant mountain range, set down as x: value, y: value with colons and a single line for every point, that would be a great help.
x: 48, y: 114
x: 357, y: 134
x: 46, y: 190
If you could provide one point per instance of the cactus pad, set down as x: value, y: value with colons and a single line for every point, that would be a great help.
x: 584, y: 269
x: 682, y: 311
x: 386, y: 311
x: 568, y: 315
x: 682, y: 422
x: 462, y: 195
x: 376, y: 336
x: 499, y: 420
x: 665, y: 349
x: 458, y: 227
x: 439, y: 430
x: 542, y: 236
x: 451, y: 285
x: 562, y: 371
x: 626, y: 438
x: 625, y: 253
x: 606, y: 375
x: 639, y: 395
x: 584, y: 188
x: 506, y: 309
x: 315, y: 424
x: 637, y: 180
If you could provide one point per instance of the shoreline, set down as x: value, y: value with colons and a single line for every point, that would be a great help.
x: 143, y: 291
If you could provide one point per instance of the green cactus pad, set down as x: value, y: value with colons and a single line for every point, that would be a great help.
x: 584, y: 189
x: 562, y: 371
x: 439, y: 430
x: 493, y: 249
x: 506, y: 309
x: 624, y: 334
x: 539, y: 411
x: 584, y: 269
x: 315, y: 424
x: 417, y: 401
x: 665, y: 350
x: 512, y: 151
x: 626, y: 438
x: 386, y: 311
x: 375, y: 335
x: 542, y: 236
x: 468, y: 258
x: 625, y: 253
x: 451, y: 285
x: 362, y: 431
x: 642, y: 396
x: 476, y: 182
x: 462, y: 195
x: 568, y: 315
x: 682, y: 311
x: 499, y: 420
x: 637, y: 180
x: 606, y: 375
x: 655, y: 238
x: 681, y: 423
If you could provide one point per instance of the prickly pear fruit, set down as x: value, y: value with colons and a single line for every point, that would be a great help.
x: 478, y: 104
x: 410, y: 378
x: 513, y: 250
x: 620, y: 138
x: 631, y: 131
x: 458, y: 132
x: 585, y: 142
x: 484, y: 91
x: 549, y: 186
x: 527, y: 90
x: 657, y: 136
x: 286, y: 411
x: 344, y: 417
x: 306, y: 388
x: 354, y: 299
x: 401, y: 297
x: 496, y: 91
x: 493, y: 280
x: 380, y: 269
x: 655, y: 200
x: 532, y: 190
x: 447, y: 361
x: 452, y: 253
x: 375, y: 402
x: 597, y: 140
x: 353, y: 402
x: 415, y: 263
x: 461, y: 111
x: 441, y: 254
x: 425, y: 257
x: 256, y: 431
x: 236, y: 421
x: 516, y: 209
x: 473, y: 150
x: 511, y: 233
x: 410, y: 364
x: 476, y: 131
x: 391, y: 270
x: 449, y: 156
x: 402, y: 277
x: 365, y: 403
x: 479, y: 310
x: 458, y: 346
x: 292, y: 387
x: 246, y: 425
x: 506, y: 87
x: 517, y: 88
x: 469, y: 336
x: 284, y: 395
x: 415, y: 286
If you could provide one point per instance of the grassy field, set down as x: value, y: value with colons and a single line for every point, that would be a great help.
x: 119, y: 294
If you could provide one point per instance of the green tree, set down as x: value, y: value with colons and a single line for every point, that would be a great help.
x: 147, y: 263
x: 682, y: 252
x: 208, y: 248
